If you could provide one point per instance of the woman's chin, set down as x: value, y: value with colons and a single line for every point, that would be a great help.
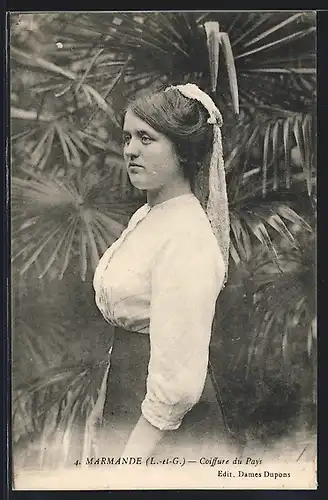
x: 138, y: 184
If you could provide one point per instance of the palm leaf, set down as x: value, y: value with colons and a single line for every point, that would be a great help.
x: 241, y: 238
x: 62, y: 138
x: 257, y: 221
x: 83, y: 255
x: 232, y: 74
x: 276, y: 27
x: 288, y: 213
x: 37, y: 153
x: 242, y: 32
x: 282, y: 306
x: 90, y: 92
x: 260, y: 232
x: 88, y: 69
x: 95, y: 416
x: 213, y: 36
x: 259, y: 337
x: 79, y: 143
x: 91, y: 238
x: 135, y: 35
x: 302, y: 141
x: 278, y: 224
x: 66, y: 395
x: 275, y: 154
x: 47, y: 150
x: 39, y: 247
x: 39, y: 62
x: 23, y: 114
x: 265, y: 159
x: 277, y: 43
x: 287, y: 149
x: 56, y: 252
x: 68, y: 219
x: 67, y: 250
x: 234, y: 254
x: 65, y: 88
x: 53, y: 377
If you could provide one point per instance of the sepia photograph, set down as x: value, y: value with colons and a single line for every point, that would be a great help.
x: 163, y: 207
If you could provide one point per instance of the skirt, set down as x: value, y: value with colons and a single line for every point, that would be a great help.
x: 202, y: 429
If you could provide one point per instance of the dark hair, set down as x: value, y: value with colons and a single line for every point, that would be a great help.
x: 183, y: 121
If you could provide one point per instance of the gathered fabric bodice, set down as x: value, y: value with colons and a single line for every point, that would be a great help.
x: 162, y: 278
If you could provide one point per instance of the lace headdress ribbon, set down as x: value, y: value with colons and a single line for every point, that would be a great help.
x: 217, y: 202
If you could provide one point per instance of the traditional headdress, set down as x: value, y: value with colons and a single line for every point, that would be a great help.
x: 216, y: 205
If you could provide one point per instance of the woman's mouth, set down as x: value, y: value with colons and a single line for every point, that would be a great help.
x: 134, y: 167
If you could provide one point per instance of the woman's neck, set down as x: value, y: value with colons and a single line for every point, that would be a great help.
x: 154, y: 197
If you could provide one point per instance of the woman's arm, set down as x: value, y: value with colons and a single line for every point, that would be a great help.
x: 186, y: 279
x: 143, y: 439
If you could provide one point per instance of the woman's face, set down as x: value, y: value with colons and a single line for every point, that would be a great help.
x: 150, y: 157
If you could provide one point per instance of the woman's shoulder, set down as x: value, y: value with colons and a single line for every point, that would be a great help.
x: 195, y: 252
x: 139, y: 213
x: 190, y: 231
x: 191, y: 221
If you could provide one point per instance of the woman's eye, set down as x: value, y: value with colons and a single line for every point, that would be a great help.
x: 145, y: 139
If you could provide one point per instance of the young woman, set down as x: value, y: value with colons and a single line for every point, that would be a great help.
x: 159, y: 282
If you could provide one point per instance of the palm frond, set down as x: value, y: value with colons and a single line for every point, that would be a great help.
x: 67, y: 397
x: 33, y: 353
x: 74, y: 142
x: 277, y: 43
x: 277, y: 27
x: 283, y: 302
x: 166, y: 37
x: 277, y: 136
x: 232, y: 74
x: 32, y: 115
x: 213, y: 36
x: 62, y: 213
x: 90, y: 92
x: 170, y: 35
x: 262, y: 223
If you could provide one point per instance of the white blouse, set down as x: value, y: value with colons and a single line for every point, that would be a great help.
x: 162, y: 278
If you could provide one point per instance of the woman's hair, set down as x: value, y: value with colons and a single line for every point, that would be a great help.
x: 183, y: 121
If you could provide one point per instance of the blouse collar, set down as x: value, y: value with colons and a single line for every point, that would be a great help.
x: 172, y: 201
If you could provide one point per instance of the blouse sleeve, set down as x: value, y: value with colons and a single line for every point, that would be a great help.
x: 186, y: 279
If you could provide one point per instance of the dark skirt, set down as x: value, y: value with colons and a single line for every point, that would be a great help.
x: 202, y: 429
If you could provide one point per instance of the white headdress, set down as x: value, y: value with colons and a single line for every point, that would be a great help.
x: 217, y: 202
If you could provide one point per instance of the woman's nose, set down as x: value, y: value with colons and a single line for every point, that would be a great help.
x: 131, y: 149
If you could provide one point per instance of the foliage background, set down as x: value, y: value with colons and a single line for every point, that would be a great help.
x: 71, y: 75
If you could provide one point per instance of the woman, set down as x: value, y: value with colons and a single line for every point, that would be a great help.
x: 159, y: 282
